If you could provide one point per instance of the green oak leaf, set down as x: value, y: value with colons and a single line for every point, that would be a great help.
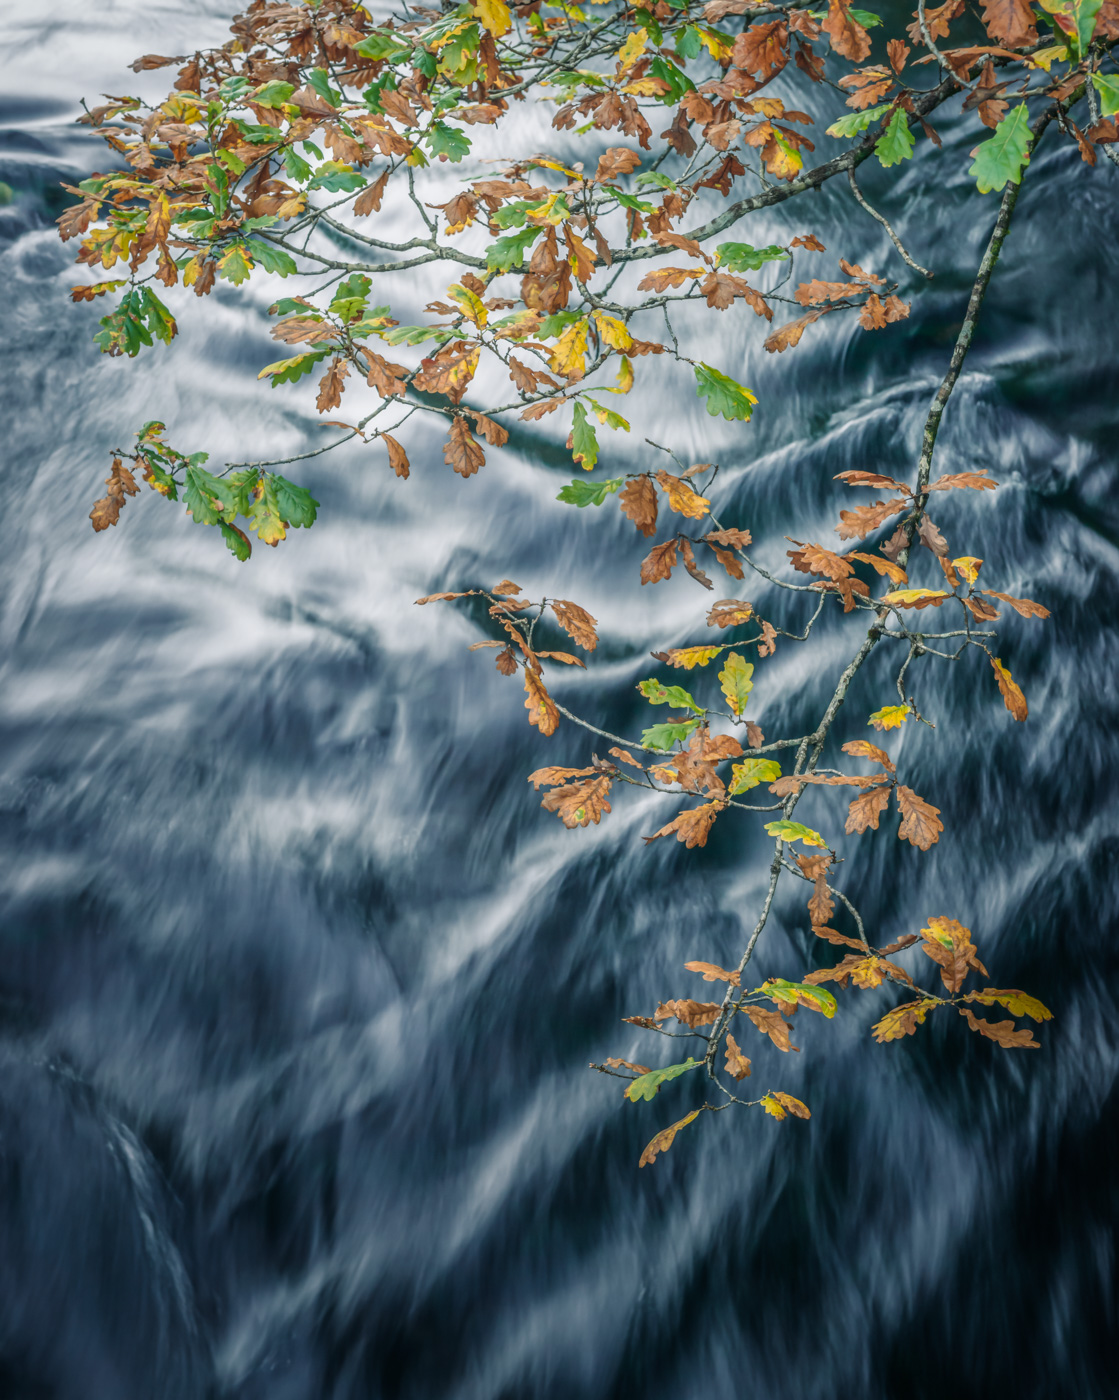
x: 505, y: 252
x: 271, y: 258
x: 896, y: 142
x: 854, y: 122
x: 447, y: 142
x: 589, y: 493
x: 796, y: 831
x: 723, y: 395
x: 584, y: 442
x: 1107, y: 85
x: 205, y: 494
x: 735, y: 681
x: 742, y: 257
x: 662, y: 737
x: 647, y: 1086
x: 801, y: 994
x: 1000, y: 160
x: 288, y: 371
x: 674, y: 695
x: 751, y: 772
x: 296, y: 504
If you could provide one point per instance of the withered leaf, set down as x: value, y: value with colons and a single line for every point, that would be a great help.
x: 815, y: 293
x: 903, y: 1020
x: 731, y: 539
x: 729, y: 612
x: 847, y: 36
x: 772, y: 1024
x: 449, y: 372
x: 950, y: 945
x: 974, y: 481
x: 398, y: 458
x: 788, y: 336
x: 1010, y: 22
x: 729, y: 562
x: 840, y: 939
x: 440, y: 598
x: 541, y: 708
x: 577, y: 804
x: 784, y: 1104
x: 738, y: 1066
x: 624, y: 757
x: 551, y: 776
x: 1024, y: 606
x: 662, y: 278
x: 615, y: 161
x: 1003, y: 1033
x: 120, y: 482
x: 638, y: 500
x: 330, y: 386
x: 981, y: 611
x: 507, y: 662
x: 883, y: 567
x: 576, y: 622
x: 931, y: 538
x: 1010, y: 690
x: 369, y: 200
x: 863, y: 748
x: 712, y: 972
x: 692, y: 826
x: 682, y: 496
x: 689, y: 1013
x: 858, y: 523
x: 688, y: 558
x: 875, y: 479
x: 821, y: 905
x: 659, y: 562
x: 921, y: 825
x: 665, y: 1138
x: 493, y: 432
x: 384, y: 376
x: 462, y: 451
x: 564, y: 656
x: 627, y: 1064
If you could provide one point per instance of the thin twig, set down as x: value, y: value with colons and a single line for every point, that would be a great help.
x: 874, y: 214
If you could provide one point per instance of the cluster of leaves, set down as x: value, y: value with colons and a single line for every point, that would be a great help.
x: 274, y: 155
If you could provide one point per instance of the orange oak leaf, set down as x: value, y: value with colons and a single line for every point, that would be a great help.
x: 772, y: 1024
x: 579, y: 803
x: 921, y: 825
x: 659, y: 562
x: 689, y: 1013
x: 692, y: 826
x: 665, y: 1138
x: 576, y: 622
x: 1010, y: 690
x: 541, y: 708
x: 1024, y: 606
x: 738, y: 1066
x: 398, y: 458
x: 462, y: 451
x: 712, y: 972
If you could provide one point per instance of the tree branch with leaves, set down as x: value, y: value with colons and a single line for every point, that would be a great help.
x: 287, y: 149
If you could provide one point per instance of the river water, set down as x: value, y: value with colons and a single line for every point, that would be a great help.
x: 298, y: 984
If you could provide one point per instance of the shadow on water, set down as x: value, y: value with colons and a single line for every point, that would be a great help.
x: 298, y: 985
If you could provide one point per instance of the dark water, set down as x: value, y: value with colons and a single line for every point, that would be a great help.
x: 298, y: 986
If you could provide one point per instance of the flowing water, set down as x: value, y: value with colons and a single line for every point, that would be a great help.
x: 299, y: 985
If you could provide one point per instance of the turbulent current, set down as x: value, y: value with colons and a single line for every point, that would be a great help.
x: 298, y: 984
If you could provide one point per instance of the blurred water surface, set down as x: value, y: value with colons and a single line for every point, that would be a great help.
x: 299, y: 985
